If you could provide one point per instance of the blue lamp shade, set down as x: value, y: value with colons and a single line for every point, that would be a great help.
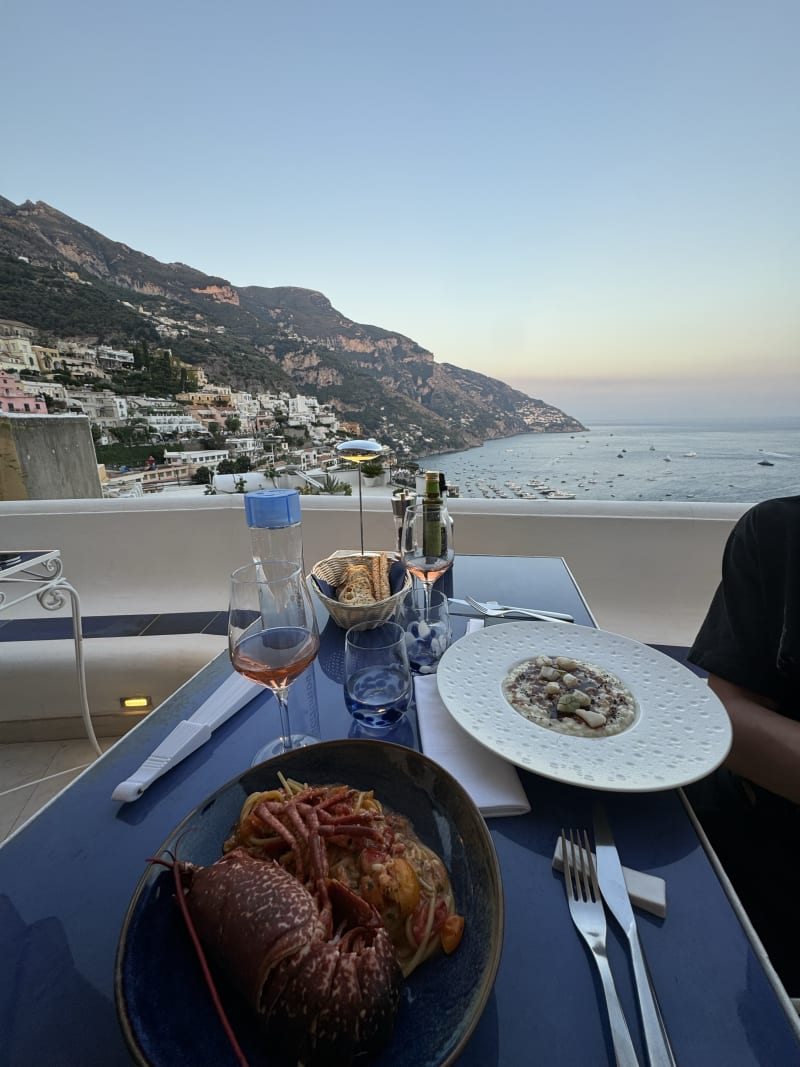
x: 272, y: 509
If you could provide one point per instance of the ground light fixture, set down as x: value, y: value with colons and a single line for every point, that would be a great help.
x: 136, y: 703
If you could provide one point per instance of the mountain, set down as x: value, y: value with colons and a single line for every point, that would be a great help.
x: 70, y: 281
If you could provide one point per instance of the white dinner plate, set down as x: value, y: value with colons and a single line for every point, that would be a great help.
x: 681, y: 732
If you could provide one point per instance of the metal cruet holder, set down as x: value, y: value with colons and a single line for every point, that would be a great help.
x: 401, y: 499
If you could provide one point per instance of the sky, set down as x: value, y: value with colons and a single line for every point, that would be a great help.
x: 596, y: 202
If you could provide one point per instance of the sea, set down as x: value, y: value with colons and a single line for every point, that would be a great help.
x: 735, y: 460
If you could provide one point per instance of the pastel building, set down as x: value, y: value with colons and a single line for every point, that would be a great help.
x: 13, y: 399
x: 16, y: 353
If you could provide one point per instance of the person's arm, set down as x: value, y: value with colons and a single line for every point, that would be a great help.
x: 766, y: 745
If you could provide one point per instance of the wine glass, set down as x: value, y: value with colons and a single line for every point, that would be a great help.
x: 273, y: 637
x: 426, y: 543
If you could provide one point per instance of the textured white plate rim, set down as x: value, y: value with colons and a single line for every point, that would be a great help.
x: 681, y: 733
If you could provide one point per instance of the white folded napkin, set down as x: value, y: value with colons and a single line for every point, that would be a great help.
x: 229, y: 697
x: 492, y: 783
x: 647, y: 891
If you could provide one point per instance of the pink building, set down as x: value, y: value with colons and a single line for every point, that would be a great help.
x: 13, y: 399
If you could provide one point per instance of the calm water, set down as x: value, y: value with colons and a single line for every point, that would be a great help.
x: 667, y: 461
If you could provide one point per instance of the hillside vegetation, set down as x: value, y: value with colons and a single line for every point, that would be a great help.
x: 69, y: 281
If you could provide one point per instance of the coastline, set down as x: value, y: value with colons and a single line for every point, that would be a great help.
x: 724, y: 460
x: 546, y: 432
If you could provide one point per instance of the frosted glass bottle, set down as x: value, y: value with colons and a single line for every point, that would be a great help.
x: 276, y: 530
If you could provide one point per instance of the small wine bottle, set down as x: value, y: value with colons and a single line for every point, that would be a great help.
x: 432, y: 516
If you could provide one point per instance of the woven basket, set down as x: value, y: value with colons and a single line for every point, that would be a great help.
x: 331, y: 570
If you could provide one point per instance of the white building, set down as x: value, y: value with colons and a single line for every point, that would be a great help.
x: 271, y: 401
x: 327, y: 419
x: 174, y: 423
x: 80, y: 363
x: 112, y: 357
x: 74, y: 348
x: 102, y: 407
x: 201, y: 458
x: 16, y: 354
x: 244, y: 446
x: 12, y: 328
x: 244, y: 402
x: 303, y: 407
x: 306, y: 458
x: 208, y: 394
x: 148, y: 404
x: 53, y: 390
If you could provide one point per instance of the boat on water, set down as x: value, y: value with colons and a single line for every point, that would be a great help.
x: 668, y: 459
x: 765, y: 463
x: 690, y: 454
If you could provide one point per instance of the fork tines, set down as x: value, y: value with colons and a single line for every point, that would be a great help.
x: 579, y: 866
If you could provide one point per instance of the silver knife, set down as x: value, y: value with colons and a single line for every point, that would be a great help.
x: 615, y: 894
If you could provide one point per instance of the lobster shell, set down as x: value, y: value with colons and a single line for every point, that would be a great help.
x: 324, y: 983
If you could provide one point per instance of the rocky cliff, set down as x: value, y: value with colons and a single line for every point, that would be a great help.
x: 254, y: 337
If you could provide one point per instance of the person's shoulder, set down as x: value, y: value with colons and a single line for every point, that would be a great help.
x: 781, y: 507
x: 777, y: 513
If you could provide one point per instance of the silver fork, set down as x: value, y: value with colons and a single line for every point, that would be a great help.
x: 588, y: 915
x: 495, y: 610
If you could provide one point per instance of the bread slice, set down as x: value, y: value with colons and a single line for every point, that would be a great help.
x: 356, y: 587
x: 380, y: 577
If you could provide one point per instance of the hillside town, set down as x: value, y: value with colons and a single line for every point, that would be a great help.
x: 205, y: 430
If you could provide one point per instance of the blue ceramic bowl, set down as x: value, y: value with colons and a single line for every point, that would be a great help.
x: 163, y: 1004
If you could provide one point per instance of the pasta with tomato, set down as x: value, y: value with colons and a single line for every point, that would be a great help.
x: 371, y: 850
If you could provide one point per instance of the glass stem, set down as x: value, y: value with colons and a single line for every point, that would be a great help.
x: 427, y: 586
x: 282, y: 696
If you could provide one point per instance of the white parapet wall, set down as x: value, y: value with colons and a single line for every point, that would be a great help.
x: 648, y: 570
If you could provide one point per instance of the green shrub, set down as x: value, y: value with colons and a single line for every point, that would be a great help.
x: 372, y: 470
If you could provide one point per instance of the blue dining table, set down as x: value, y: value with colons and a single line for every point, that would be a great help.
x: 67, y: 878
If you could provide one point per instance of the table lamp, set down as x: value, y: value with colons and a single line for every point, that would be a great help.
x: 359, y: 452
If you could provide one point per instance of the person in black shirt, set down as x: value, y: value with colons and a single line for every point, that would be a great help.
x: 749, y: 643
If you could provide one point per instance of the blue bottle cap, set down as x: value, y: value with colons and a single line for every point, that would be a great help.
x: 271, y: 509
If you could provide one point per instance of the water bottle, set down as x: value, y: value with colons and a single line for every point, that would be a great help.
x: 276, y: 531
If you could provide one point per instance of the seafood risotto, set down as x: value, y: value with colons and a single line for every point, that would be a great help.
x: 570, y: 696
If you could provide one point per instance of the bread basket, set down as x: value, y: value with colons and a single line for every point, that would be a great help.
x: 331, y: 571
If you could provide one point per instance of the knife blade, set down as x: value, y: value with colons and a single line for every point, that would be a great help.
x: 615, y: 894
